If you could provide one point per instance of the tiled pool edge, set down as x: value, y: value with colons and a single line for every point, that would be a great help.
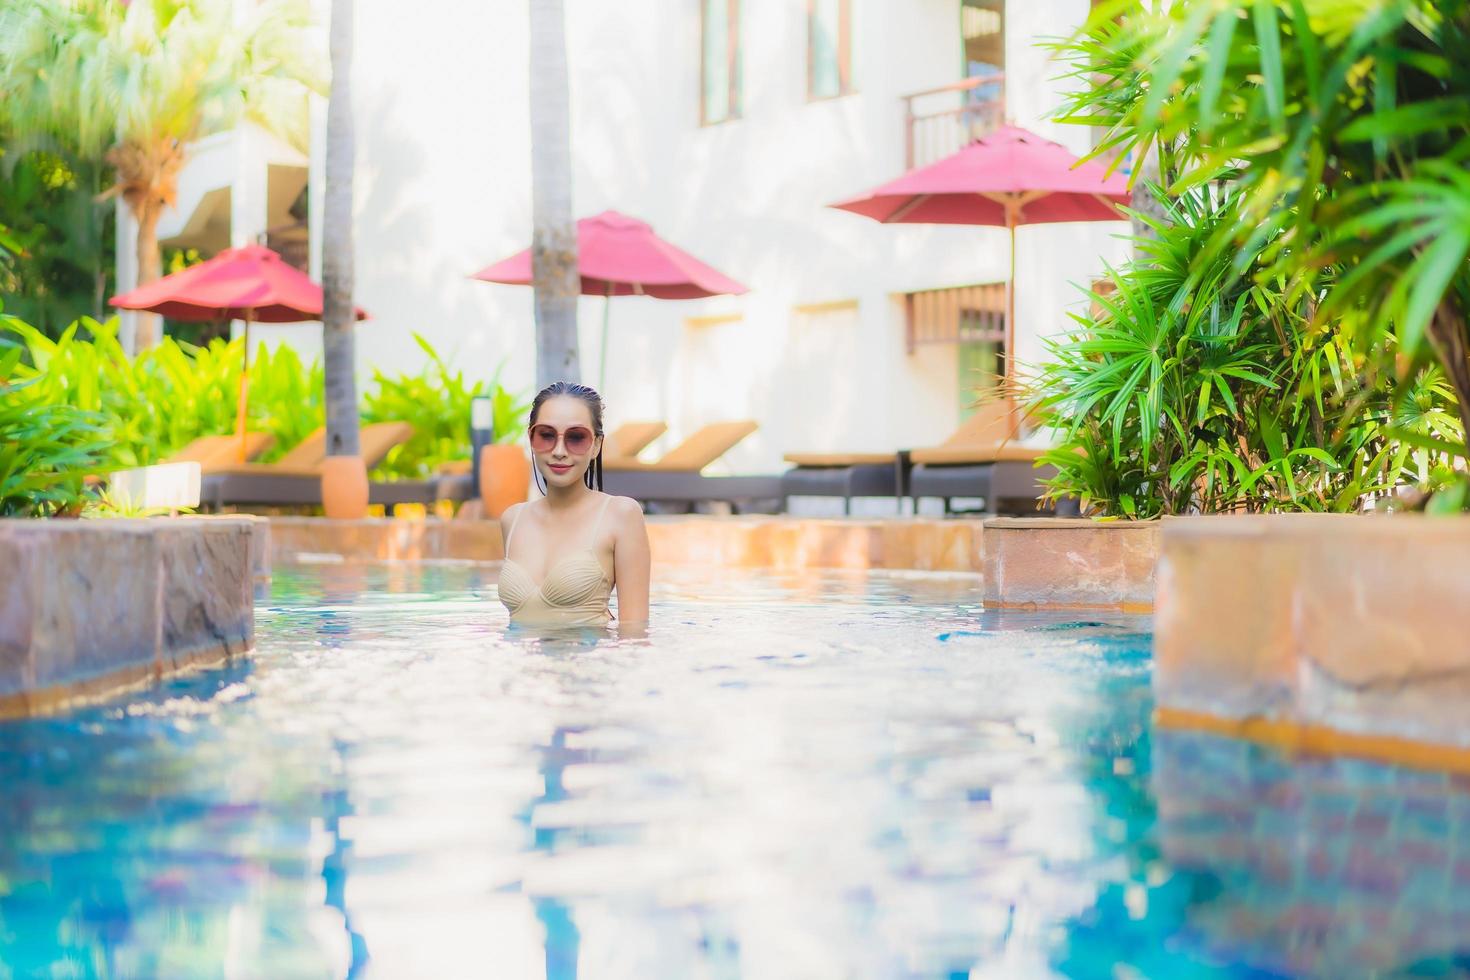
x: 1331, y: 635
x: 89, y: 609
x: 1298, y: 738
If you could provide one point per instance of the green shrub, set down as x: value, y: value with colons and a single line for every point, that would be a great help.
x: 46, y: 449
x: 158, y: 402
x: 436, y: 401
x: 1197, y: 389
x: 286, y: 397
x: 1344, y: 129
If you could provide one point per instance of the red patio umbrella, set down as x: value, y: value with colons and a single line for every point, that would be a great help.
x: 251, y: 283
x: 621, y: 256
x: 1009, y: 178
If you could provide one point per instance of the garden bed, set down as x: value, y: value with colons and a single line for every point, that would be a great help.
x: 89, y: 608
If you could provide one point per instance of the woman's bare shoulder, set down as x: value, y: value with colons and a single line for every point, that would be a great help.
x: 509, y: 515
x: 625, y: 511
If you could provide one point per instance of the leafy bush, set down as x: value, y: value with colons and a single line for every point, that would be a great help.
x: 159, y: 401
x: 46, y: 449
x: 1194, y: 388
x: 286, y: 397
x: 1345, y: 130
x: 60, y: 235
x: 437, y: 403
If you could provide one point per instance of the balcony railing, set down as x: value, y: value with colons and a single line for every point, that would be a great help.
x: 960, y: 314
x: 293, y: 244
x: 939, y: 121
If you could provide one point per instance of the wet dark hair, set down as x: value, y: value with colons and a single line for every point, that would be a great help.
x: 593, y: 401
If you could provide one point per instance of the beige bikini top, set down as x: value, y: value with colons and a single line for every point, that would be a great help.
x: 575, y: 592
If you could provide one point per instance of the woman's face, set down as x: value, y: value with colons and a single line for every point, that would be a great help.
x: 563, y: 441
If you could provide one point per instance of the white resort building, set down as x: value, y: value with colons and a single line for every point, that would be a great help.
x: 728, y: 125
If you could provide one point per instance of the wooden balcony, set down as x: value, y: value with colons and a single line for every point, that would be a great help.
x: 939, y: 121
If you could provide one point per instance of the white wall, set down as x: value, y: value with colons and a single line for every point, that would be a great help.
x: 443, y: 188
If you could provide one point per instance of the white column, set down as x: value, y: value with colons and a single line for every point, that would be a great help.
x: 316, y: 183
x: 126, y: 257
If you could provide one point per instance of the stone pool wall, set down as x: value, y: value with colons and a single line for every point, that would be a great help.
x: 1033, y: 563
x: 914, y: 544
x: 384, y: 539
x: 1330, y: 634
x: 89, y: 608
x: 1061, y: 563
x: 764, y: 542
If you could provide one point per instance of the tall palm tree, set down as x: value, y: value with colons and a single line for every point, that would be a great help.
x: 338, y: 314
x: 139, y: 81
x: 554, y: 236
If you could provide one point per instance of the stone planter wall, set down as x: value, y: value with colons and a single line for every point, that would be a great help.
x: 1343, y: 634
x: 1061, y: 563
x: 780, y: 543
x: 797, y: 543
x: 88, y: 608
x: 385, y: 539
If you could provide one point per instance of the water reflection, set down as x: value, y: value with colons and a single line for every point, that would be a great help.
x: 1317, y: 867
x: 562, y: 939
x: 337, y: 804
x: 789, y: 776
x: 133, y: 842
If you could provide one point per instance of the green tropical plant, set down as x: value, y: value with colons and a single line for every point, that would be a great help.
x: 46, y: 449
x: 156, y: 403
x: 116, y: 502
x: 162, y: 399
x: 59, y: 236
x: 169, y: 395
x: 1344, y: 128
x: 9, y: 244
x: 436, y: 401
x: 286, y: 397
x: 1194, y: 388
x: 139, y: 81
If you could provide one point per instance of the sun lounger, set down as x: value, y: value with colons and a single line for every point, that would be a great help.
x: 630, y: 439
x: 844, y: 475
x: 214, y: 452
x: 691, y: 455
x: 676, y: 478
x: 295, y: 480
x: 981, y: 460
x: 453, y: 483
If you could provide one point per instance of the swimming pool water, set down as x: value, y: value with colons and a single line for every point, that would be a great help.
x: 823, y: 776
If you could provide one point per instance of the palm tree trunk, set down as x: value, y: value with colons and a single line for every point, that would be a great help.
x: 338, y: 313
x: 554, y: 236
x: 150, y: 267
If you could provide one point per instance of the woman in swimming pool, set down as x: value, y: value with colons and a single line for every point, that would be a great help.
x: 565, y: 553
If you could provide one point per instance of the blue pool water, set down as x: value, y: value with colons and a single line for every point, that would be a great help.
x: 823, y: 776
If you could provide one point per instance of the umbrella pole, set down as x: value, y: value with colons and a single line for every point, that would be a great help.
x: 244, y: 389
x: 602, y: 354
x: 1011, y: 297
